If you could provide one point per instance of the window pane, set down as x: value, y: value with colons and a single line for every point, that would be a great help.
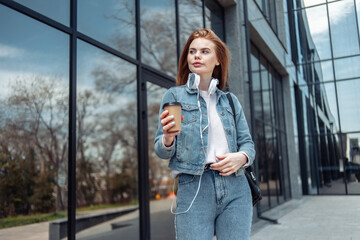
x: 271, y: 163
x: 161, y: 182
x: 349, y: 99
x: 347, y: 68
x: 34, y: 86
x: 111, y: 22
x: 256, y: 83
x: 330, y: 106
x: 214, y: 16
x: 107, y: 160
x: 352, y: 163
x: 319, y: 30
x: 255, y: 69
x: 309, y: 3
x: 327, y: 71
x: 331, y: 173
x: 158, y: 35
x: 262, y: 163
x: 358, y: 12
x: 190, y: 19
x: 343, y: 23
x: 57, y: 10
x: 264, y: 73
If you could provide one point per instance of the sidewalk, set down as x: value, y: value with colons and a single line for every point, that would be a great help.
x: 312, y: 218
x: 309, y: 218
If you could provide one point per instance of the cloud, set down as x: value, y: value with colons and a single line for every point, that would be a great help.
x: 317, y: 16
x: 10, y: 52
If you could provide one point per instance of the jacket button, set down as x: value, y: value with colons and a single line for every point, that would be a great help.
x: 199, y: 170
x: 229, y: 131
x: 222, y: 113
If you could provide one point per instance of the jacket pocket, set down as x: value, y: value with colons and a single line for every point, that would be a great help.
x: 190, y: 113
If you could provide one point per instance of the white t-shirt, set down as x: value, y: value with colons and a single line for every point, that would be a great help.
x: 217, y: 142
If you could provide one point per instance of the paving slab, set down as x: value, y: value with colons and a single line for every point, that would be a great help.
x: 316, y: 218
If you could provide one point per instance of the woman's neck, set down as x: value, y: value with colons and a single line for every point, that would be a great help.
x: 204, y: 82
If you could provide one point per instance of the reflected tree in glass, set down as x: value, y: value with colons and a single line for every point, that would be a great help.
x: 107, y: 129
x: 34, y: 145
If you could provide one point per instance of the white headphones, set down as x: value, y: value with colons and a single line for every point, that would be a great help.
x: 194, y: 81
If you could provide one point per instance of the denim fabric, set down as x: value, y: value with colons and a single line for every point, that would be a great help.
x: 188, y: 155
x: 223, y: 206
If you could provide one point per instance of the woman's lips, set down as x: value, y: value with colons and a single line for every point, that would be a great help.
x: 197, y: 64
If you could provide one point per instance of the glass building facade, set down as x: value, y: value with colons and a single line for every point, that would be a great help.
x: 325, y: 93
x: 81, y: 83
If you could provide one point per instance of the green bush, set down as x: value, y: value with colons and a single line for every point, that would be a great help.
x: 24, y: 220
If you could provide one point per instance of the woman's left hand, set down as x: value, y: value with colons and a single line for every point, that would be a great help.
x: 229, y: 163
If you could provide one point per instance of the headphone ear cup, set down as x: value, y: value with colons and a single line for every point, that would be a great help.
x: 193, y: 81
x: 212, y: 88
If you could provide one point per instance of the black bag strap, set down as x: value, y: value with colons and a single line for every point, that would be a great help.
x: 231, y: 102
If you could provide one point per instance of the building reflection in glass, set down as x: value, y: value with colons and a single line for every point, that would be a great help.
x: 328, y: 117
x: 270, y: 134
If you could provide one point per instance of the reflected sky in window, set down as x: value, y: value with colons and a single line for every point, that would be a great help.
x: 29, y: 48
x: 349, y: 99
x: 57, y: 10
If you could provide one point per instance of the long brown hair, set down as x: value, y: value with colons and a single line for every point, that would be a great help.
x: 222, y: 55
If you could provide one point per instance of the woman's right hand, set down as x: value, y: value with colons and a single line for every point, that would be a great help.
x: 168, y: 122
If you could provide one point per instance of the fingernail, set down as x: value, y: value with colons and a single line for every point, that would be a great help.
x: 166, y: 111
x: 173, y: 123
x: 171, y: 116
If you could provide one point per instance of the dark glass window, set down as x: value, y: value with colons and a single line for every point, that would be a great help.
x: 352, y: 162
x: 268, y: 7
x: 270, y: 140
x: 214, y: 18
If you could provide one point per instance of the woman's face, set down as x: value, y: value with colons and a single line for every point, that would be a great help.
x: 201, y: 57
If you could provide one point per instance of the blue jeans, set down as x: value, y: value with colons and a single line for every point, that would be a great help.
x: 223, y: 206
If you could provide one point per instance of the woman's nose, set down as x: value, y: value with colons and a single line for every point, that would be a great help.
x: 197, y: 55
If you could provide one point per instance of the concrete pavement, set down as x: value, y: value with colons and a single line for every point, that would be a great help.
x: 312, y: 218
x: 309, y: 218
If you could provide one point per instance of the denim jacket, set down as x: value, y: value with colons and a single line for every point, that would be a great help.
x: 188, y: 155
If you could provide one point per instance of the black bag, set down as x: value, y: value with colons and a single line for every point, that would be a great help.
x: 249, y: 171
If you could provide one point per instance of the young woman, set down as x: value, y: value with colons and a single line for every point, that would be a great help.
x: 210, y: 152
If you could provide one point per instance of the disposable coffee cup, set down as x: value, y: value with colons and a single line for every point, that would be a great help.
x: 174, y: 108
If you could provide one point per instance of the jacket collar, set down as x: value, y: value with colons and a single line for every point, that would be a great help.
x: 219, y: 92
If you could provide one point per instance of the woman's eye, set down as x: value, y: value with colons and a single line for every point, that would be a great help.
x: 191, y: 51
x: 205, y: 51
